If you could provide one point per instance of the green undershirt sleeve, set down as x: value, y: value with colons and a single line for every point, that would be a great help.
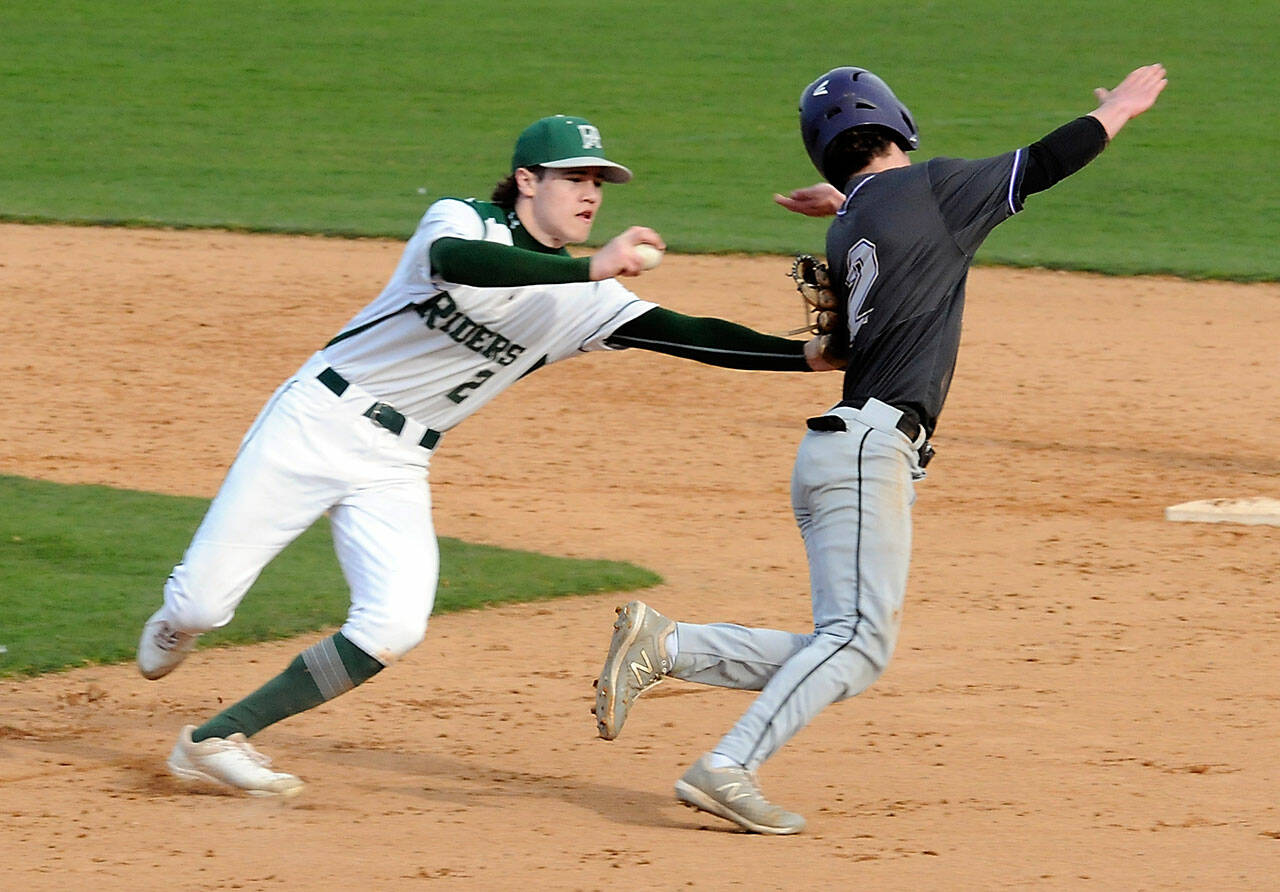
x: 712, y: 341
x: 493, y: 265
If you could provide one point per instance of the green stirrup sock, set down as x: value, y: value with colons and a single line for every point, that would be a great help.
x: 328, y: 668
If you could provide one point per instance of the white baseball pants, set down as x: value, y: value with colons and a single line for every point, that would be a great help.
x: 311, y: 451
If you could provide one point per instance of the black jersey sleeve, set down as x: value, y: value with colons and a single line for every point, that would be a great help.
x: 1061, y: 153
x: 712, y: 341
x: 976, y: 196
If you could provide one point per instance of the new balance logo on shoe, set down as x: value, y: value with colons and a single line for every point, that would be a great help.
x: 733, y: 792
x: 642, y: 671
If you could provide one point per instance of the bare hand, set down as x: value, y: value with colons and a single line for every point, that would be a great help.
x: 815, y: 355
x: 619, y: 258
x: 1130, y: 98
x: 818, y: 200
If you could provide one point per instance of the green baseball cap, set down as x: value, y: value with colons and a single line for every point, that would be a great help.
x: 563, y: 141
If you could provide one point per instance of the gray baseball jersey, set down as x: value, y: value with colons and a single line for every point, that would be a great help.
x: 900, y: 250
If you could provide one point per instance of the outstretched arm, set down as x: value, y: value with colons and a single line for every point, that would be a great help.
x: 1051, y: 159
x: 717, y: 342
x: 1061, y: 153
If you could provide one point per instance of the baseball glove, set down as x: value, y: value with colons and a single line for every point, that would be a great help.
x: 823, y: 312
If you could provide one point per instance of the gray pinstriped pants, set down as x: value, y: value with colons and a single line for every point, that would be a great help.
x: 852, y: 493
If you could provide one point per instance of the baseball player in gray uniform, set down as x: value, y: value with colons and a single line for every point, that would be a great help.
x: 484, y: 294
x: 900, y: 249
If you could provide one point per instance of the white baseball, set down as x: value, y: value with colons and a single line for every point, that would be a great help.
x: 649, y: 255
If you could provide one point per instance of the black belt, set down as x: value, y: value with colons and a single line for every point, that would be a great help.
x: 907, y: 424
x: 381, y: 414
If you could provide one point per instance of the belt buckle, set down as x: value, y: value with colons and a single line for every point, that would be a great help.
x: 926, y: 453
x: 385, y: 416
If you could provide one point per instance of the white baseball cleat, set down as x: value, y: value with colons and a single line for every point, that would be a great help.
x: 162, y: 647
x: 636, y: 662
x: 230, y: 762
x: 733, y: 794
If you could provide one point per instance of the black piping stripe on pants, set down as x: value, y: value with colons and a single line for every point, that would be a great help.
x: 857, y: 611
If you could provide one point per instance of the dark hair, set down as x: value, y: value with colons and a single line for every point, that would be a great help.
x: 506, y: 191
x: 853, y: 150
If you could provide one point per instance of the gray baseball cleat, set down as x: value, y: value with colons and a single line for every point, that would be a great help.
x: 636, y: 662
x: 733, y: 794
x: 162, y: 647
x: 230, y: 762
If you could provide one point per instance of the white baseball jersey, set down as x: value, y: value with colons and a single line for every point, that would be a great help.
x: 437, y: 351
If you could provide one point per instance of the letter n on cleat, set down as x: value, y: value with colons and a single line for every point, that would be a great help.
x: 646, y: 666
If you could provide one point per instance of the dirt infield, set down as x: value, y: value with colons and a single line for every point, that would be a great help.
x: 1084, y: 694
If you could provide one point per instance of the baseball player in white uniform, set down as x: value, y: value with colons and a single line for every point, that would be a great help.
x: 484, y: 294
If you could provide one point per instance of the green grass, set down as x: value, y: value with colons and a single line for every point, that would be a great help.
x: 348, y: 116
x: 81, y: 567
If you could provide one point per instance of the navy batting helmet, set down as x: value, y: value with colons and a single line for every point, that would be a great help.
x: 851, y: 97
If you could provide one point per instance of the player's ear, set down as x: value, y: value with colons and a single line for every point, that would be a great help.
x: 527, y: 181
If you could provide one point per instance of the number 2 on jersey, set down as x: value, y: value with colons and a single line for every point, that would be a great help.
x: 862, y: 269
x: 463, y: 390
